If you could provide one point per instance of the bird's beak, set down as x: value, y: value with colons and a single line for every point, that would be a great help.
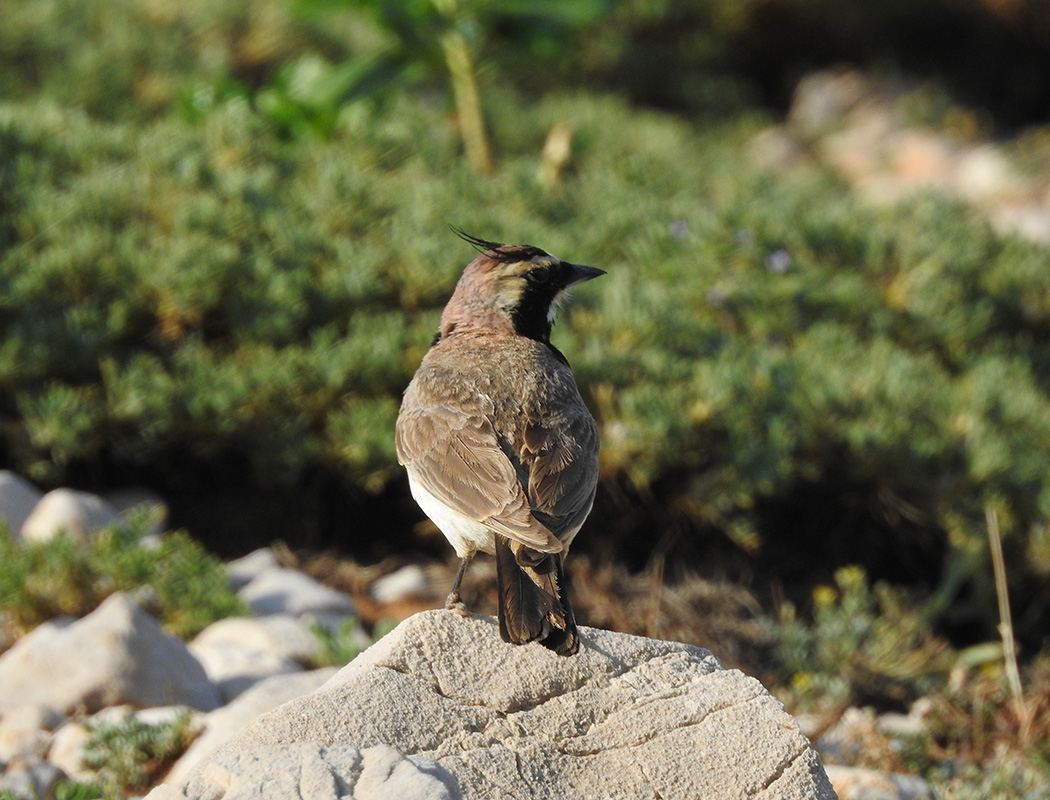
x: 578, y: 273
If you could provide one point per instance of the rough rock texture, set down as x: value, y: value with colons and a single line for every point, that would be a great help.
x: 224, y: 723
x: 628, y: 717
x: 116, y: 654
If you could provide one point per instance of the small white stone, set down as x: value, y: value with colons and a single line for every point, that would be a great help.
x: 235, y: 668
x: 79, y: 514
x: 282, y: 635
x: 245, y: 569
x: 857, y: 783
x: 30, y: 777
x: 287, y: 591
x: 67, y: 751
x: 401, y: 584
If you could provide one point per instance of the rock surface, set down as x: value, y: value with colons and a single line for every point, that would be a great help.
x: 238, y: 652
x: 224, y: 723
x: 856, y: 783
x: 116, y: 654
x: 858, y: 125
x: 279, y: 590
x: 473, y: 717
x: 78, y: 514
x: 18, y: 498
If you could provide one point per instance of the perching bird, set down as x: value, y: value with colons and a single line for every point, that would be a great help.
x: 500, y: 450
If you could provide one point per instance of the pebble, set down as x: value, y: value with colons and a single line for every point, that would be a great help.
x: 24, y: 730
x: 403, y: 584
x: 29, y: 778
x: 857, y: 783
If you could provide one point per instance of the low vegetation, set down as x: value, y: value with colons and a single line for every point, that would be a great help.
x: 184, y: 586
x: 224, y: 249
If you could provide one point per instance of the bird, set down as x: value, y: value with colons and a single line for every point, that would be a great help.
x: 500, y: 449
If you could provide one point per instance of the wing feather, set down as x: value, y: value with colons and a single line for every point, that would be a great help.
x: 457, y: 457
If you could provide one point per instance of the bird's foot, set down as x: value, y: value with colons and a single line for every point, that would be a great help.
x: 454, y: 603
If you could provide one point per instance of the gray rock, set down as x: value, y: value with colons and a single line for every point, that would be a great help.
x: 407, y: 582
x: 18, y: 498
x: 628, y: 717
x: 287, y: 591
x: 224, y: 723
x: 245, y: 569
x: 328, y: 771
x: 24, y: 731
x: 116, y: 654
x: 856, y: 783
x: 29, y: 779
x: 67, y: 750
x: 79, y: 514
x: 238, y: 652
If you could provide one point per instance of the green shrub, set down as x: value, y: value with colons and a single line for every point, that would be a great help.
x: 130, y: 755
x: 344, y: 644
x: 188, y: 588
x: 864, y: 645
x: 212, y: 289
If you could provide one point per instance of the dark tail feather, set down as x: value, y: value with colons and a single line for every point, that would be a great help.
x: 532, y: 600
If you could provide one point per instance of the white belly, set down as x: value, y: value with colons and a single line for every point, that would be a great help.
x: 465, y: 535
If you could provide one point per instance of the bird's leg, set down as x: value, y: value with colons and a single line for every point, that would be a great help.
x: 453, y: 601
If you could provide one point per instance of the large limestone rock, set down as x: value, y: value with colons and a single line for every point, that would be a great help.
x: 224, y: 723
x: 442, y: 708
x: 116, y: 654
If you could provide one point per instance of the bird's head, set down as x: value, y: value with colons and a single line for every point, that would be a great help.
x: 511, y: 288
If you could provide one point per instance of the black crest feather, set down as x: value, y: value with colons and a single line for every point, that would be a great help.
x: 497, y: 250
x: 480, y: 244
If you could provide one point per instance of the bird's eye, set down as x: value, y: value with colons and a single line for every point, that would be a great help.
x: 538, y: 275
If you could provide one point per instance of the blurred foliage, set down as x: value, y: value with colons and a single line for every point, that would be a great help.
x: 342, y: 645
x: 186, y: 588
x: 864, y: 646
x: 131, y: 754
x: 212, y: 288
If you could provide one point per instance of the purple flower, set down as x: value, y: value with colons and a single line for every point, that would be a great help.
x: 778, y: 261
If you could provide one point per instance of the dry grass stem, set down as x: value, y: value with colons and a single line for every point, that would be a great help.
x: 1006, y: 628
